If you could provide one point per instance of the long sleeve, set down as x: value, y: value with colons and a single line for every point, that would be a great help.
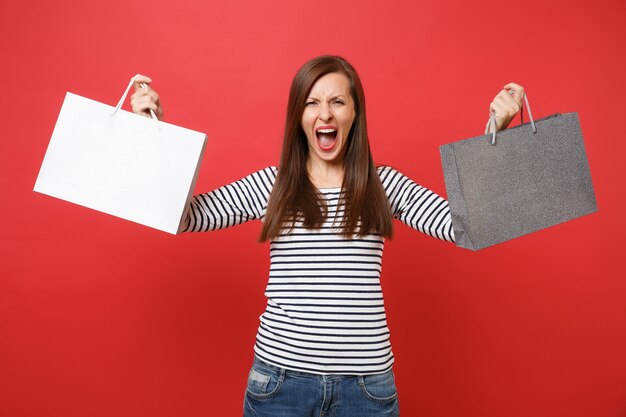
x: 232, y: 204
x: 417, y: 206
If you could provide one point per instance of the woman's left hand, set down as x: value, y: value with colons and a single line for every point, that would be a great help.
x: 506, y: 106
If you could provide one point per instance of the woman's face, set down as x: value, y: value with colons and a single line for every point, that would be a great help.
x: 327, y: 118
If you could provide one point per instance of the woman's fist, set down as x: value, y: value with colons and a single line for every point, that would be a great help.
x: 145, y: 98
x: 506, y: 105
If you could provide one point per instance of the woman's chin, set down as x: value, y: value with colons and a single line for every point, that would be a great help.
x: 329, y: 157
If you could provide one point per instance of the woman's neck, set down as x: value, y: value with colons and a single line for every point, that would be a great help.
x: 325, y: 175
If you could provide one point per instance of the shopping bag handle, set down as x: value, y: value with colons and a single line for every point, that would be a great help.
x: 492, y: 119
x: 119, y: 104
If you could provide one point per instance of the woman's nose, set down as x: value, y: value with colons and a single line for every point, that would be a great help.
x: 325, y: 112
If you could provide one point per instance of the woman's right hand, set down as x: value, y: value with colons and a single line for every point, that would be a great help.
x: 145, y: 98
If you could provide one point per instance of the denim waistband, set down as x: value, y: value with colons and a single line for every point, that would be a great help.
x: 308, y: 374
x: 286, y: 370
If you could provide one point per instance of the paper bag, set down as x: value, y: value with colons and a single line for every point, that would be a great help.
x: 123, y: 164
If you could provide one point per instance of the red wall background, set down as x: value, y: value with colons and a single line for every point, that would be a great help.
x: 103, y: 317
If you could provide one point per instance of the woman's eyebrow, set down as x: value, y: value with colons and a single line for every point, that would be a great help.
x: 331, y: 98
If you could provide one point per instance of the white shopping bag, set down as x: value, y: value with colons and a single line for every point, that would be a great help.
x: 121, y: 163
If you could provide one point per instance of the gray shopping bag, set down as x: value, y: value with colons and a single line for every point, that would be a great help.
x: 533, y: 176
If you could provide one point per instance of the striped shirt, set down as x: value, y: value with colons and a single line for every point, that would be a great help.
x: 325, y: 312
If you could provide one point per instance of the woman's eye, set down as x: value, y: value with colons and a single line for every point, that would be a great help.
x: 338, y: 102
x: 308, y: 103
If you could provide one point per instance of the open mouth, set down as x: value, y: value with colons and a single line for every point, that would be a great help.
x: 326, y: 137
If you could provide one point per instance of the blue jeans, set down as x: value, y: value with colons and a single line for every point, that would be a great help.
x: 277, y: 392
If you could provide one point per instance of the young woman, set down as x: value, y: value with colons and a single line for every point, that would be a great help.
x: 323, y: 346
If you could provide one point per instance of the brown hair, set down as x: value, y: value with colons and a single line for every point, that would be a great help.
x: 294, y: 196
